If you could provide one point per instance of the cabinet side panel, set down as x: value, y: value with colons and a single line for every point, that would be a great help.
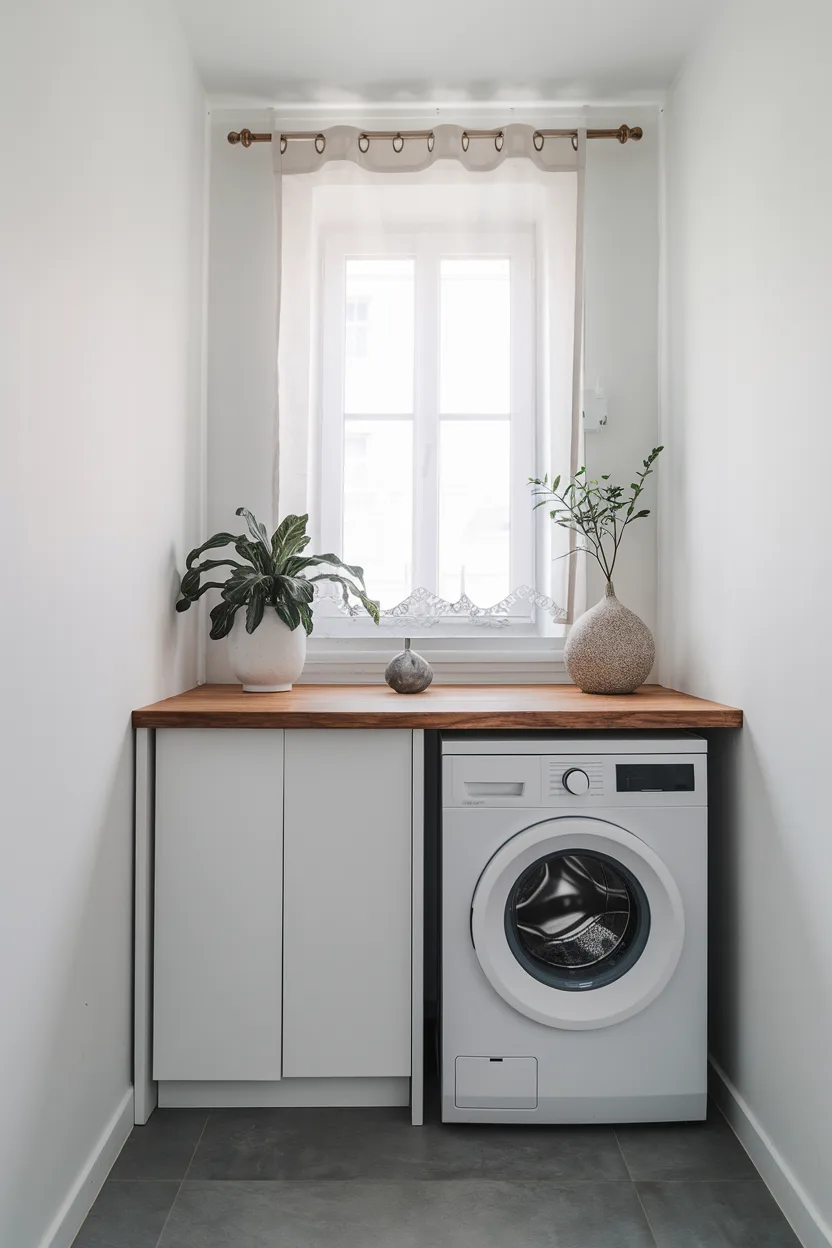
x: 347, y: 903
x: 145, y: 1089
x: 217, y: 966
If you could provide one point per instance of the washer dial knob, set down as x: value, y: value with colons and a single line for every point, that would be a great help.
x: 576, y: 781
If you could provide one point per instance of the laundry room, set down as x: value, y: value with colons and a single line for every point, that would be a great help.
x: 414, y: 817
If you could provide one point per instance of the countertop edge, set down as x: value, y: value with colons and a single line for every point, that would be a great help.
x: 629, y: 718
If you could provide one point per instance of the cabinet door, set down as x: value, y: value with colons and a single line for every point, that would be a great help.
x: 347, y: 903
x: 218, y: 885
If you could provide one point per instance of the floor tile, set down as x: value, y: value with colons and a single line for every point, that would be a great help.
x: 286, y: 1144
x: 685, y: 1150
x: 406, y: 1215
x: 740, y: 1214
x: 163, y: 1148
x: 127, y: 1215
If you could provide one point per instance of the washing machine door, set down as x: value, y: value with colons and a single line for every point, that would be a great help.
x: 577, y: 923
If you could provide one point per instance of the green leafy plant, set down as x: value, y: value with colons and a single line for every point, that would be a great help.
x: 594, y: 510
x: 272, y: 574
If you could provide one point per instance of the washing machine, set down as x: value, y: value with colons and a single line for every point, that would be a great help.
x: 573, y: 928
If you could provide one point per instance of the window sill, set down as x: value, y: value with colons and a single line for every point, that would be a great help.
x: 361, y: 661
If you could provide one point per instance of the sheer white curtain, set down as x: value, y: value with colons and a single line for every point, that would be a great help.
x: 429, y: 363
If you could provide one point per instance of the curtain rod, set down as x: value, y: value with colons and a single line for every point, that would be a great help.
x: 246, y: 137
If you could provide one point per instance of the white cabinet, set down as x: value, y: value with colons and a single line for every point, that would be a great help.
x: 347, y: 903
x: 285, y: 965
x: 217, y: 915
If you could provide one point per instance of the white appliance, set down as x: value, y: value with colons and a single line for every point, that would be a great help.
x: 574, y: 900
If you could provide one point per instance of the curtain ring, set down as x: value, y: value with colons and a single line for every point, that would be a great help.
x: 499, y: 139
x: 363, y: 143
x: 397, y: 138
x: 431, y: 141
x: 284, y: 143
x: 465, y: 140
x: 320, y: 144
x: 574, y: 142
x: 538, y: 140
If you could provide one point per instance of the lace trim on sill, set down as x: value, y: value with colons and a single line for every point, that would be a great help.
x: 422, y: 608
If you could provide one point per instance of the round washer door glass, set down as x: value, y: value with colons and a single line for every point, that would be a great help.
x: 577, y: 920
x: 577, y: 923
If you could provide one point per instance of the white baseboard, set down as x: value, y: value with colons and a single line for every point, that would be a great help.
x: 79, y: 1199
x: 298, y: 1093
x: 806, y: 1220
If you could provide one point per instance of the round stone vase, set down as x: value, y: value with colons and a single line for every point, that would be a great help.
x: 609, y: 649
x: 269, y: 659
x: 408, y: 672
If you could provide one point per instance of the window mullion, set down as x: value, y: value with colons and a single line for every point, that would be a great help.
x: 426, y: 419
x: 522, y: 419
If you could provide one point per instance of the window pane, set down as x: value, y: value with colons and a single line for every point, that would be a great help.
x: 378, y: 357
x: 475, y: 343
x: 474, y: 467
x: 378, y: 505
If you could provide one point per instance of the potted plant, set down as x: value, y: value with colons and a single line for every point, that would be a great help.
x: 609, y: 649
x: 267, y: 643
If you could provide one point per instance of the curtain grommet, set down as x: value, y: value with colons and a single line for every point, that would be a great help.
x: 431, y: 141
x: 398, y: 143
x: 538, y: 141
x: 320, y: 144
x: 465, y: 140
x: 284, y: 143
x: 499, y: 140
x: 574, y: 142
x: 363, y: 144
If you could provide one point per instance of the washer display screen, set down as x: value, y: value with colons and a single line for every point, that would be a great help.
x: 577, y: 920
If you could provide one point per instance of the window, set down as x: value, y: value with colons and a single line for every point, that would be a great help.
x: 428, y: 411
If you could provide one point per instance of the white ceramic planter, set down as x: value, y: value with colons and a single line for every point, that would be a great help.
x: 271, y: 658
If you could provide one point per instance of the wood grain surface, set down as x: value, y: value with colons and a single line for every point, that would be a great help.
x: 440, y: 706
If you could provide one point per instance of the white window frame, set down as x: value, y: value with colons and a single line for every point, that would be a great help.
x: 428, y: 246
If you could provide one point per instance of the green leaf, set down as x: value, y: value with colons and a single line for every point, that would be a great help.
x: 288, y: 612
x: 194, y: 597
x: 299, y: 589
x: 240, y: 586
x: 190, y: 583
x: 189, y: 586
x: 289, y: 537
x: 256, y: 607
x: 222, y: 619
x: 257, y: 530
x: 219, y: 539
x: 208, y: 564
x: 255, y: 554
x: 312, y: 561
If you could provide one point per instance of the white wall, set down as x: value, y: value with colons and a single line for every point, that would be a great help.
x: 621, y: 329
x: 101, y: 240
x: 745, y: 588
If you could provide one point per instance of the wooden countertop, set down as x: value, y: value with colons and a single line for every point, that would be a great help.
x: 441, y: 706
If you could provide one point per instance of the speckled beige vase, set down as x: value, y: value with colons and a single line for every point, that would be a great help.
x: 609, y: 649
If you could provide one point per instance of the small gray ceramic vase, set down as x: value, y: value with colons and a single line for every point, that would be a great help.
x: 408, y: 672
x: 609, y: 649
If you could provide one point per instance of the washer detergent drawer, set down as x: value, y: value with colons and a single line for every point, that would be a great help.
x: 496, y: 1083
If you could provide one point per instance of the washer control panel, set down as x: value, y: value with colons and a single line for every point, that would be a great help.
x: 574, y: 780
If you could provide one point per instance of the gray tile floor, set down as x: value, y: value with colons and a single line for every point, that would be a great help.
x: 364, y: 1178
